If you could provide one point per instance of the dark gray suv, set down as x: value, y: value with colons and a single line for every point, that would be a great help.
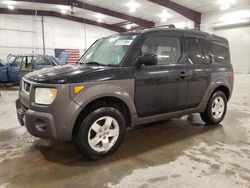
x: 125, y: 80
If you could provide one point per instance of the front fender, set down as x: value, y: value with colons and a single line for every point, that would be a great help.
x: 121, y: 89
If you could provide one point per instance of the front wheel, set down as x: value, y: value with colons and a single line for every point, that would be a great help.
x: 100, y: 133
x: 216, y: 109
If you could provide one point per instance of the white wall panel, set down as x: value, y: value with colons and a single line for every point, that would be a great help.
x: 23, y: 34
x: 238, y: 36
x: 239, y: 40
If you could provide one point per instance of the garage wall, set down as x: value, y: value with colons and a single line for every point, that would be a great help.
x: 233, y: 26
x: 23, y: 34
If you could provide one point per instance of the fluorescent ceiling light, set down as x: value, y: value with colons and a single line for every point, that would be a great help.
x: 99, y: 20
x: 164, y: 20
x: 63, y: 11
x: 132, y: 5
x: 221, y: 2
x: 9, y: 2
x: 128, y: 27
x: 225, y: 4
x: 132, y: 10
x: 11, y: 7
x: 99, y: 15
x: 63, y: 7
x: 164, y: 15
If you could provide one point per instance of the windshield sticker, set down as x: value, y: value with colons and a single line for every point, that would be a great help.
x: 123, y: 42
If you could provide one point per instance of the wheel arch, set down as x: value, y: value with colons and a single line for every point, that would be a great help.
x: 224, y: 89
x: 112, y: 101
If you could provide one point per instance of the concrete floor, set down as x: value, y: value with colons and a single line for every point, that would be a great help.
x: 175, y: 153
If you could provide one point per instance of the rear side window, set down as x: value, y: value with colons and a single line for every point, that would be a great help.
x: 167, y: 49
x: 40, y: 60
x: 196, y: 50
x: 220, y: 54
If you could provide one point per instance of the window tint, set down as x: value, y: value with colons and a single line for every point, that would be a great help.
x: 220, y: 54
x: 167, y: 49
x: 17, y: 62
x: 196, y: 52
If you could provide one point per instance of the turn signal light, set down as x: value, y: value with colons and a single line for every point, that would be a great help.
x: 78, y: 89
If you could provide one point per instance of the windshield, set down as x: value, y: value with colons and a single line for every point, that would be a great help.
x: 10, y: 59
x: 108, y: 51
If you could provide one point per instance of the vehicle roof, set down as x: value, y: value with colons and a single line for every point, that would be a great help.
x: 191, y: 32
x: 30, y: 55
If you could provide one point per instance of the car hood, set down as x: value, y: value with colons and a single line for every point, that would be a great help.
x: 70, y: 74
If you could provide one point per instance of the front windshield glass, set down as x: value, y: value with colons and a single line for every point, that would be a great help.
x: 10, y: 59
x: 108, y: 51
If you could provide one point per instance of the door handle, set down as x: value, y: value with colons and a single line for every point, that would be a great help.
x: 184, y: 74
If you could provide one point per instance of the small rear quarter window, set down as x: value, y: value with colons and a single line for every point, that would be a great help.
x: 220, y: 54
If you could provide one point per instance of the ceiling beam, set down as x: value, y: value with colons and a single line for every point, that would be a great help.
x: 184, y: 11
x: 59, y: 15
x: 94, y: 8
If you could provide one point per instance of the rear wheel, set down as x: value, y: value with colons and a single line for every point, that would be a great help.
x: 216, y: 109
x: 100, y: 133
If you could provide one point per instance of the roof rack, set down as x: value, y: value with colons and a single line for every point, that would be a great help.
x: 169, y: 26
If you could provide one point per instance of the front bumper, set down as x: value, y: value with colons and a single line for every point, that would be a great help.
x: 55, y: 121
x: 39, y: 124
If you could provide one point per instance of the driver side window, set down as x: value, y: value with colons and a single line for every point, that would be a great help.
x: 167, y: 49
x: 17, y: 62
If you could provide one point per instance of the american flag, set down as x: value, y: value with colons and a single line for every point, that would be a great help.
x: 74, y: 54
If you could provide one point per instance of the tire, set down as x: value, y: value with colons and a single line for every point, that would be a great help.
x: 214, y: 115
x: 94, y: 140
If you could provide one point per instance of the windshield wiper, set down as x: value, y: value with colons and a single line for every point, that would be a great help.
x: 96, y: 63
x: 92, y: 63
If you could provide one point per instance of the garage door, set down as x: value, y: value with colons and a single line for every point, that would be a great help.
x: 239, y: 41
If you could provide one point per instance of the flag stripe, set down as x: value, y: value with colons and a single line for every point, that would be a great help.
x: 74, y: 55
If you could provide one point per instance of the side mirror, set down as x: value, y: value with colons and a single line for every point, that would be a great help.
x: 147, y: 59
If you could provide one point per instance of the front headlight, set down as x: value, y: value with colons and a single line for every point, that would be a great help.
x: 45, y: 95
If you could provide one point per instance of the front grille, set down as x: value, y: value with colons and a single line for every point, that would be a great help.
x: 26, y: 86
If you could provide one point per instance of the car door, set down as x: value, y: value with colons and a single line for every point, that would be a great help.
x: 14, y: 69
x: 163, y: 87
x: 26, y: 66
x: 3, y: 73
x: 199, y: 69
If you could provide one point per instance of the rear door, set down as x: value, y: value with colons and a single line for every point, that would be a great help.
x: 14, y: 69
x: 163, y: 87
x: 199, y: 69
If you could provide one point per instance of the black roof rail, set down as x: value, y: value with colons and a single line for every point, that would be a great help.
x: 169, y: 26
